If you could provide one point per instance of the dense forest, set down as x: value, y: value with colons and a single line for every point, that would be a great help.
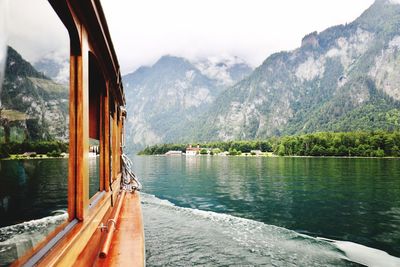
x: 242, y: 146
x: 358, y: 144
x: 362, y: 144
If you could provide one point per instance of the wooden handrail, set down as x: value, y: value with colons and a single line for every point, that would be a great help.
x: 111, y: 228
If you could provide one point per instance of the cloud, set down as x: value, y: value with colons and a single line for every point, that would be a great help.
x: 35, y: 30
x: 3, y: 37
x: 143, y: 31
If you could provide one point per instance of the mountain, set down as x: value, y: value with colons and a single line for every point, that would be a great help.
x: 345, y: 78
x: 54, y: 66
x: 164, y: 98
x: 32, y: 106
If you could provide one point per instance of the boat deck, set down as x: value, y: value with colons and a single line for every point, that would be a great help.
x: 127, y: 245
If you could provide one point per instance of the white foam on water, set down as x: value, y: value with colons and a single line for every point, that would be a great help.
x: 177, y: 236
x: 365, y: 255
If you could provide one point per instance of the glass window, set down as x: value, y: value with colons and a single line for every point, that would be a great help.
x: 94, y: 167
x: 34, y: 130
x: 97, y: 88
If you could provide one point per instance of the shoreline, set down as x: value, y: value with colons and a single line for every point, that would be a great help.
x: 38, y: 156
x: 274, y: 156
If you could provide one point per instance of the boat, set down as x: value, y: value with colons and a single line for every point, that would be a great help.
x: 106, y: 229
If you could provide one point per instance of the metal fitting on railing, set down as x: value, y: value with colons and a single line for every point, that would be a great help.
x: 106, y: 227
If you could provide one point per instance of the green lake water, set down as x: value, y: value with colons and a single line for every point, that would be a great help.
x: 339, y: 198
x: 223, y: 211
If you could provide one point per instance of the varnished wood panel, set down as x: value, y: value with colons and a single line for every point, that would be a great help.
x: 127, y: 247
x: 68, y: 250
x: 82, y: 125
x: 72, y: 139
x: 114, y: 144
x: 106, y: 141
x: 91, y: 251
x: 102, y: 144
x: 111, y: 226
x: 73, y: 244
x: 119, y: 134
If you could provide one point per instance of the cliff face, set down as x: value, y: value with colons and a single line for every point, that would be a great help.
x: 33, y: 106
x: 344, y: 78
x: 310, y: 40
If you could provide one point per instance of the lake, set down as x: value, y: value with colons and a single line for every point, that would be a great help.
x: 344, y: 199
x: 224, y: 211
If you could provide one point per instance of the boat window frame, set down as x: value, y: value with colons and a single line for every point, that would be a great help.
x: 98, y: 85
x: 33, y: 255
x: 84, y: 214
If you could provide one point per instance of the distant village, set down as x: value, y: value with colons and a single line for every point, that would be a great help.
x: 197, y: 150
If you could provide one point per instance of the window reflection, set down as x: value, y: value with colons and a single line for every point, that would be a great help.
x: 97, y: 89
x: 94, y: 167
x: 34, y: 130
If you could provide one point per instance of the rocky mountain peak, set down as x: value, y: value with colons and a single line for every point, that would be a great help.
x: 163, y: 98
x: 173, y: 63
x: 310, y: 39
x: 381, y: 16
x: 17, y: 66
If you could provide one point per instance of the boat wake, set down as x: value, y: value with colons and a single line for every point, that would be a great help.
x: 177, y: 236
x: 365, y: 255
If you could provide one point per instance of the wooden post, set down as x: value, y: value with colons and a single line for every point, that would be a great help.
x: 102, y: 138
x: 72, y: 139
x: 82, y: 125
x: 115, y: 145
x: 106, y: 127
x: 119, y: 140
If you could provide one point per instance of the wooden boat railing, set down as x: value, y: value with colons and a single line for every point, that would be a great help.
x: 111, y: 226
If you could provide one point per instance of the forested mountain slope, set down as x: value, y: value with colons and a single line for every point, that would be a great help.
x: 345, y: 78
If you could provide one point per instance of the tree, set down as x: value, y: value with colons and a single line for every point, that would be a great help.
x: 203, y: 151
x: 395, y: 152
x: 233, y: 152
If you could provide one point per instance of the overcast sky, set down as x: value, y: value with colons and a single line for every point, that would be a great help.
x: 142, y: 31
x: 251, y: 29
x: 35, y: 30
